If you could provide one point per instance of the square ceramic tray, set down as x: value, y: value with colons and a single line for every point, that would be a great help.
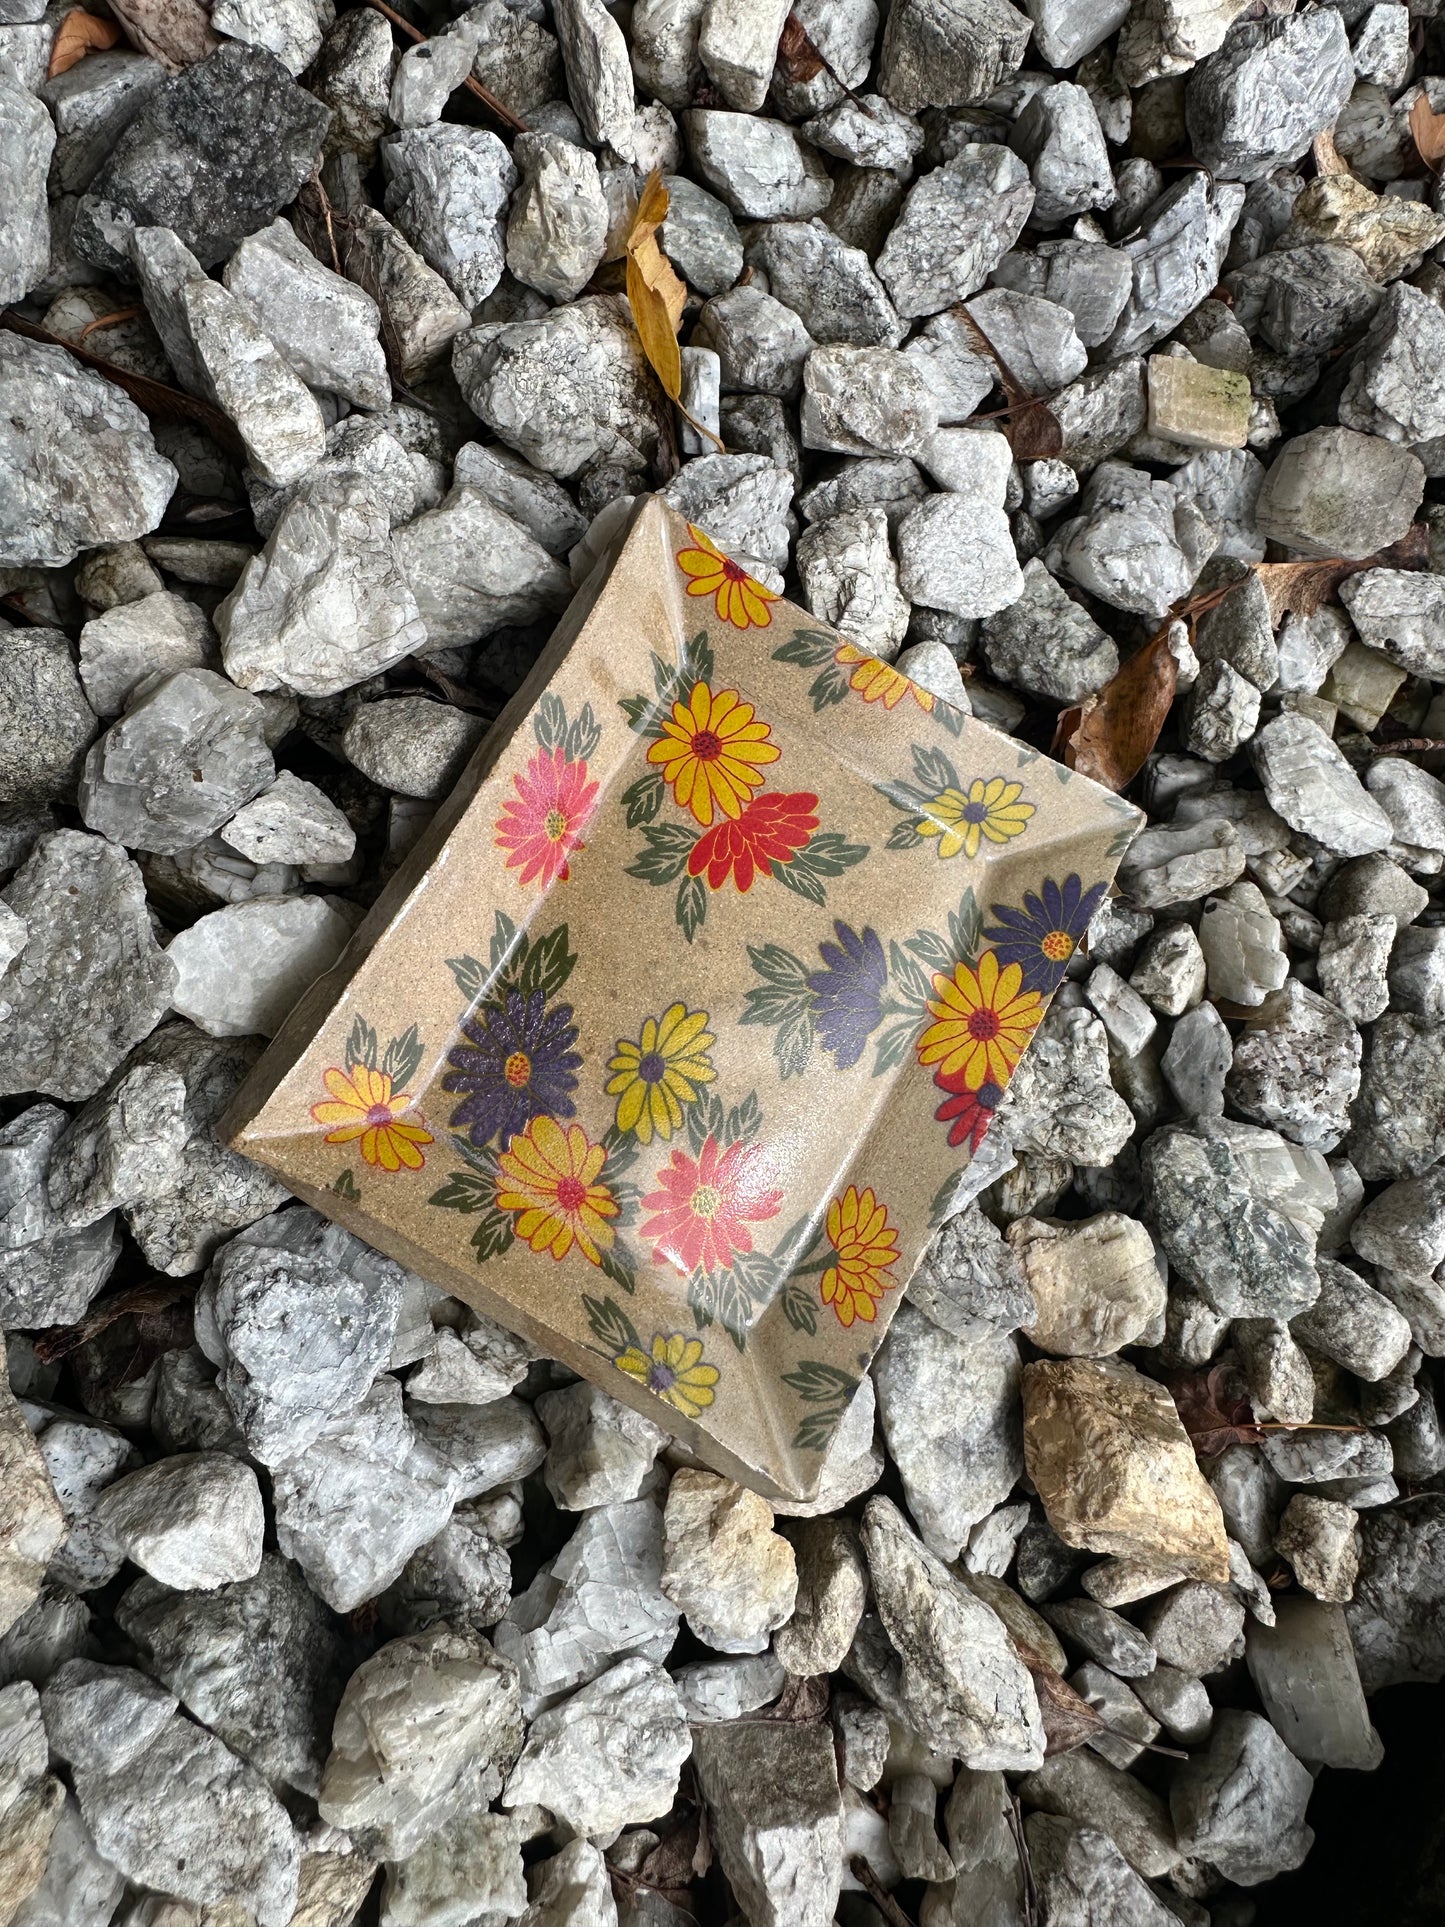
x: 669, y: 1043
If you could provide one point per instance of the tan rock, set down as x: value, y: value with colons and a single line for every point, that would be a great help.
x: 25, y: 1831
x: 1390, y: 236
x: 1096, y: 1282
x: 31, y: 1522
x: 1197, y: 406
x: 723, y: 1566
x: 1114, y: 1467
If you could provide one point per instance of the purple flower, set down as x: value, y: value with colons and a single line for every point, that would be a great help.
x: 517, y: 1063
x: 1043, y: 935
x: 848, y: 993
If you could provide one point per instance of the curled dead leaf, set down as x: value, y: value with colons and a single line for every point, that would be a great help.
x: 1299, y: 588
x: 1031, y: 426
x: 1108, y: 736
x: 80, y: 33
x: 797, y: 56
x: 177, y: 33
x: 1427, y: 130
x: 657, y: 295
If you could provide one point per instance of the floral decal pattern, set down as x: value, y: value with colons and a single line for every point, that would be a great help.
x: 367, y: 1105
x: 709, y: 749
x: 540, y: 828
x: 737, y: 598
x: 636, y: 1162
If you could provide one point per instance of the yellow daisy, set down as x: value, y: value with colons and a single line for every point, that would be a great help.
x: 867, y: 1248
x: 877, y: 681
x: 549, y: 1178
x: 984, y: 1018
x: 737, y: 598
x: 363, y: 1105
x: 656, y: 1075
x: 990, y: 810
x: 674, y: 1371
x: 712, y: 751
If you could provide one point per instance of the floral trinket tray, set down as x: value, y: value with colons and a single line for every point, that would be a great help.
x: 668, y: 1045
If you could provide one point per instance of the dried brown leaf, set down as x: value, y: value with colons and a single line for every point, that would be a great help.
x: 656, y: 294
x: 150, y: 396
x: 1427, y: 129
x: 797, y: 56
x: 1213, y: 1412
x: 177, y: 33
x: 80, y: 33
x: 156, y: 1306
x: 1108, y: 736
x: 1031, y: 425
x: 1299, y: 588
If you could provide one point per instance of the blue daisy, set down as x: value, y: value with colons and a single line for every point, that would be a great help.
x: 1044, y: 934
x: 848, y: 993
x: 517, y: 1063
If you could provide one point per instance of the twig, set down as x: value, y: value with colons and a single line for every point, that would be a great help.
x: 109, y: 320
x: 483, y: 94
x: 1408, y: 745
x: 883, y: 1900
x: 1026, y: 1865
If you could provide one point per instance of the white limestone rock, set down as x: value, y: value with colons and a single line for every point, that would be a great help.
x: 325, y: 328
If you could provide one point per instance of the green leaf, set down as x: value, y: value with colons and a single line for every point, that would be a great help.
x: 904, y: 836
x: 817, y: 1382
x: 636, y: 708
x: 467, y: 1192
x: 744, y: 1120
x: 610, y: 1325
x: 628, y: 1197
x: 697, y: 661
x: 623, y: 1151
x: 549, y: 963
x: 582, y: 736
x: 549, y: 724
x: 798, y: 1307
x: 505, y: 937
x: 691, y: 907
x: 482, y: 1158
x: 362, y: 1045
x: 894, y: 1045
x: 668, y: 847
x: 705, y: 1119
x: 828, y: 688
x: 952, y: 719
x: 618, y: 1265
x: 778, y: 966
x: 793, y: 1044
x: 934, y: 770
x: 815, y: 1431
x: 769, y: 1004
x: 1122, y: 838
x: 808, y: 647
x: 344, y: 1185
x: 829, y: 854
x: 724, y: 1297
x: 800, y: 880
x: 903, y: 796
x: 402, y: 1058
x: 643, y: 799
x: 910, y: 980
x: 965, y: 929
x: 472, y: 977
x: 932, y: 949
x: 493, y: 1236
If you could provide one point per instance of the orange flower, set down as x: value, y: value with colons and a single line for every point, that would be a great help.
x: 877, y: 681
x: 867, y: 1248
x: 549, y: 1178
x: 984, y: 1020
x: 712, y: 751
x: 364, y: 1106
x: 739, y: 600
x: 770, y: 830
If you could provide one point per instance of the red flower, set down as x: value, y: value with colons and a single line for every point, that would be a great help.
x: 769, y: 831
x: 969, y: 1113
x: 542, y: 825
x: 702, y: 1209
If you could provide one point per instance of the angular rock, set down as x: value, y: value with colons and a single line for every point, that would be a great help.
x: 723, y: 1565
x: 959, y: 1677
x: 240, y: 969
x: 1335, y: 492
x: 325, y: 327
x: 78, y: 465
x: 1177, y: 254
x: 1097, y: 1283
x: 608, y: 1757
x: 1296, y: 1068
x: 760, y: 168
x: 1303, y: 1668
x: 956, y: 226
x: 957, y: 554
x: 950, y: 1416
x: 214, y: 155
x: 775, y: 1818
x: 193, y: 1522
x: 1104, y: 1445
x: 941, y: 53
x: 557, y: 229
x: 1240, y: 1805
x: 1261, y: 101
x: 1046, y: 644
x: 47, y: 722
x: 428, y: 1727
x: 599, y: 1452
